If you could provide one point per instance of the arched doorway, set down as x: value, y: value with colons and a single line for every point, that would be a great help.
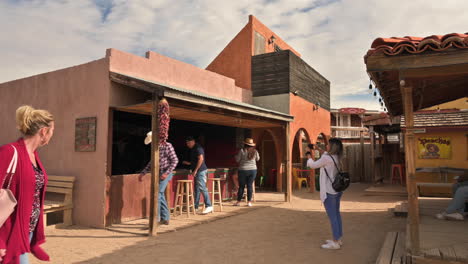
x: 268, y: 164
x: 299, y: 148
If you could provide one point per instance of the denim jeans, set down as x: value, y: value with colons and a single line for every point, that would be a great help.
x: 163, y: 209
x: 246, y: 177
x: 200, y: 186
x: 457, y: 205
x: 332, y: 206
x: 24, y: 258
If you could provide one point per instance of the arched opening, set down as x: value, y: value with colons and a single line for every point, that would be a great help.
x: 299, y: 148
x: 268, y: 164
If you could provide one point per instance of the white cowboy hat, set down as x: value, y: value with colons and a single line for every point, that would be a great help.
x: 249, y: 142
x: 149, y: 138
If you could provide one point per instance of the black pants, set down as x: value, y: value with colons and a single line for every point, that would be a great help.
x: 246, y: 177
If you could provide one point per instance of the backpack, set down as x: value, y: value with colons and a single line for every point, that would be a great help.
x: 342, y: 180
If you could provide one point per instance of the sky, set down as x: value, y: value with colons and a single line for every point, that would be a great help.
x: 332, y: 36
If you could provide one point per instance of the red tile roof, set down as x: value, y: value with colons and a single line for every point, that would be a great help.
x: 414, y: 45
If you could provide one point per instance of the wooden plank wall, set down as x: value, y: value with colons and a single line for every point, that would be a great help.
x: 309, y: 83
x: 270, y: 74
x: 353, y: 163
x: 283, y: 72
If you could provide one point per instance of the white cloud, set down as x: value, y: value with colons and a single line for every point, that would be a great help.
x: 44, y: 35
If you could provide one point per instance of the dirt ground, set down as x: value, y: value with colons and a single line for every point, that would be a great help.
x: 282, y: 233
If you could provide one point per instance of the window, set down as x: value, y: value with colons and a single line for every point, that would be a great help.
x: 259, y: 44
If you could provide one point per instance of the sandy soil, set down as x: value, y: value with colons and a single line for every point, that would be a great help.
x: 285, y: 233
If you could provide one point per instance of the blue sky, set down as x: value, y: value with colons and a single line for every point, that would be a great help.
x: 332, y: 35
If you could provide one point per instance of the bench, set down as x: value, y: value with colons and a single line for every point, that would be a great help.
x: 59, y: 197
x: 393, y: 250
x: 446, y: 186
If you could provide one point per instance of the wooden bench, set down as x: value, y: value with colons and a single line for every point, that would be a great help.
x: 393, y: 250
x: 445, y: 186
x: 59, y: 197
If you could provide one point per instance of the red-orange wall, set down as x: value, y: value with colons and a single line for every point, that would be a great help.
x: 236, y: 58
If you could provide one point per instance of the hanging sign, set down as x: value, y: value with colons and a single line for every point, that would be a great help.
x: 434, y: 148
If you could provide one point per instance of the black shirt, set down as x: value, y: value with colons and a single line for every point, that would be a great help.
x: 194, y: 154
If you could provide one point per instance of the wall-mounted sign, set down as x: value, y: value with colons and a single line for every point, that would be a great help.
x: 85, y: 134
x: 434, y: 148
x: 417, y: 130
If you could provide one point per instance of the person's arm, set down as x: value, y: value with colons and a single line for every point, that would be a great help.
x: 199, y: 163
x: 145, y: 171
x: 173, y: 160
x: 257, y: 156
x: 322, y: 162
x: 238, y: 156
x: 6, y: 154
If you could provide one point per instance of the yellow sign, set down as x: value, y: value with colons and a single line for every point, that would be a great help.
x: 434, y: 148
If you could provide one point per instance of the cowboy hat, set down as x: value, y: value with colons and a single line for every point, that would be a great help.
x: 249, y: 142
x: 149, y: 138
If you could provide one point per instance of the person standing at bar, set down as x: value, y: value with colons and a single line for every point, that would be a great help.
x: 167, y: 163
x: 200, y: 172
x: 247, y: 159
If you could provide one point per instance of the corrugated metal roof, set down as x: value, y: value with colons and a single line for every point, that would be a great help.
x: 209, y: 97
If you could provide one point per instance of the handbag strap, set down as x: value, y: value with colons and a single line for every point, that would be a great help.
x: 11, y: 170
x: 328, y: 176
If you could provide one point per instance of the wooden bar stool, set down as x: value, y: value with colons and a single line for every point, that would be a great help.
x: 253, y: 193
x: 216, y: 190
x: 184, y: 197
x: 398, y: 168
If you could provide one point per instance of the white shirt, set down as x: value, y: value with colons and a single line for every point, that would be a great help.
x: 325, y: 162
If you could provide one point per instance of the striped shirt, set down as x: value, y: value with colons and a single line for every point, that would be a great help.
x: 167, y: 160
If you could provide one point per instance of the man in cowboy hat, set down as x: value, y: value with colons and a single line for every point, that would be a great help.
x: 167, y: 163
x: 200, y: 172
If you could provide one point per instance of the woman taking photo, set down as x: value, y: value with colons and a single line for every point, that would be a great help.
x: 247, y: 159
x: 328, y: 163
x: 23, y: 230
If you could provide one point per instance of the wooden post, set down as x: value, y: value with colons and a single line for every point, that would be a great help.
x: 410, y: 153
x: 288, y: 164
x: 372, y: 153
x: 362, y: 156
x: 154, y: 200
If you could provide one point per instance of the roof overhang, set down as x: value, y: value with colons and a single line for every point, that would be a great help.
x: 198, y: 107
x: 436, y: 77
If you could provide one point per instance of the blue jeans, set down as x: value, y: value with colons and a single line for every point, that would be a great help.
x: 24, y: 258
x: 457, y: 205
x: 163, y: 209
x: 246, y: 177
x: 332, y: 206
x: 200, y: 186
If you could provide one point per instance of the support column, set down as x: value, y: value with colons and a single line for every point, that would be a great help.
x: 362, y: 164
x: 410, y: 154
x: 288, y: 164
x: 154, y: 199
x: 372, y: 154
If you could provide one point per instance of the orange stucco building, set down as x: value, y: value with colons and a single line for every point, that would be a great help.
x: 236, y: 96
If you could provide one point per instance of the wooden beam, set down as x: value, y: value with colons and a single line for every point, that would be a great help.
x: 154, y: 199
x: 457, y: 69
x: 362, y: 163
x: 288, y: 164
x: 382, y: 62
x: 372, y: 153
x: 410, y: 154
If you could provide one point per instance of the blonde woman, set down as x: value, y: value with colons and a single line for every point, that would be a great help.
x: 330, y: 198
x: 23, y: 231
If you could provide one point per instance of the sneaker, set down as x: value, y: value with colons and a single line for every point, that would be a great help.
x: 331, y: 245
x: 454, y: 216
x: 236, y: 204
x: 441, y: 216
x: 328, y: 241
x: 249, y: 204
x: 208, y: 210
x: 163, y: 222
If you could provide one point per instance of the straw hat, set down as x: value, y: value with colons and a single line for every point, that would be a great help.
x: 249, y: 142
x: 149, y: 138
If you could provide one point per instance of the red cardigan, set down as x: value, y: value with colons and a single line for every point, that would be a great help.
x: 14, y: 234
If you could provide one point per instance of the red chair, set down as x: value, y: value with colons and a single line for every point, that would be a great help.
x: 400, y: 168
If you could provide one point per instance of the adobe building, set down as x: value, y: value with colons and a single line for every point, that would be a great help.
x: 103, y: 112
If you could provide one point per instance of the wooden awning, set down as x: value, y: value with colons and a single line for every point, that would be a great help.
x: 436, y: 77
x: 197, y: 107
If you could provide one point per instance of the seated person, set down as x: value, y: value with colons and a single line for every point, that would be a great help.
x: 456, y: 208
